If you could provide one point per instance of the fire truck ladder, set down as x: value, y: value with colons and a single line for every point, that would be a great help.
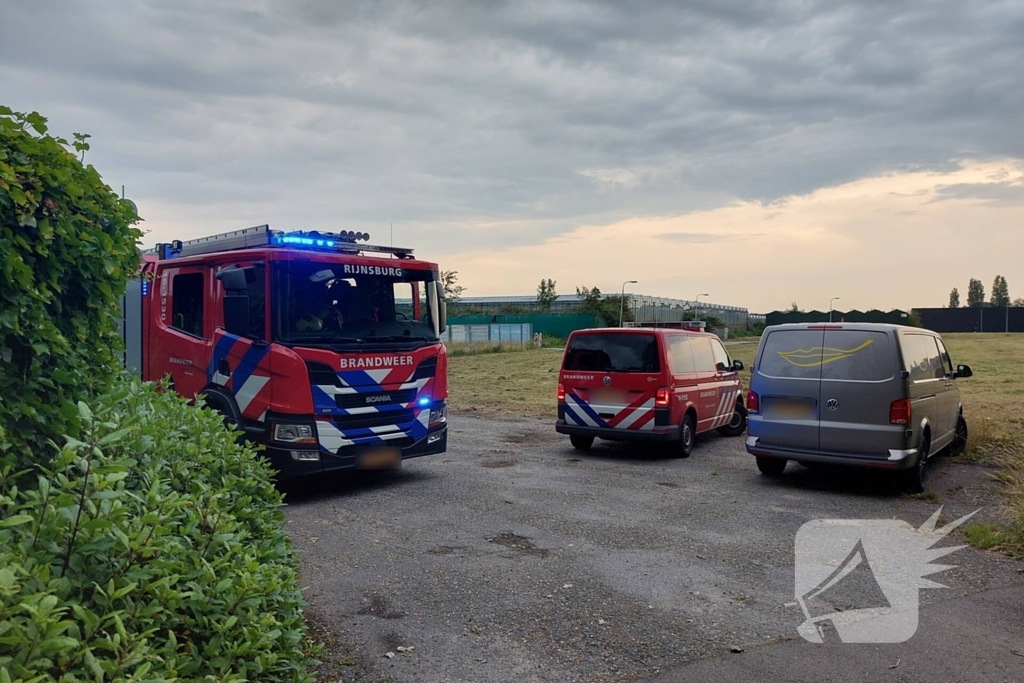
x: 262, y: 236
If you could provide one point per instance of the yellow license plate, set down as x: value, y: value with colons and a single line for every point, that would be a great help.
x: 381, y: 459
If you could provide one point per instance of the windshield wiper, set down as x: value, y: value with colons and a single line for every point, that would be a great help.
x: 399, y: 337
x: 347, y: 341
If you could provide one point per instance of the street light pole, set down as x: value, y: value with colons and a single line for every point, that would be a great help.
x: 622, y: 298
x: 696, y: 304
x: 834, y: 299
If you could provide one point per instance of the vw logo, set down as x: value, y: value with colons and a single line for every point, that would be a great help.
x: 832, y: 404
x: 607, y: 380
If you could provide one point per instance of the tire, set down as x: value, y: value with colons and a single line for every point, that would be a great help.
x: 960, y: 441
x: 737, y: 425
x: 914, y: 478
x: 687, y: 436
x: 220, y: 405
x: 581, y: 443
x: 771, y: 467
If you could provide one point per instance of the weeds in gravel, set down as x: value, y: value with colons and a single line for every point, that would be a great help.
x: 1009, y: 456
x: 984, y: 536
x: 926, y: 496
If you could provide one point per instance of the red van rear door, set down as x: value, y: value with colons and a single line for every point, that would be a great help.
x: 611, y: 378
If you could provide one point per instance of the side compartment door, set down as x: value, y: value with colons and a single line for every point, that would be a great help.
x: 182, y: 346
x: 729, y: 385
x: 709, y: 395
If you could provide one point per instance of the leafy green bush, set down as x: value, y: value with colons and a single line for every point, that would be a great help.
x: 67, y: 249
x: 152, y: 548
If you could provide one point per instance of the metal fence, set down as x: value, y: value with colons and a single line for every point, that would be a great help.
x: 518, y: 334
x: 981, y: 319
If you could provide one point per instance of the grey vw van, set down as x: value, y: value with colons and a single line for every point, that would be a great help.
x: 880, y: 396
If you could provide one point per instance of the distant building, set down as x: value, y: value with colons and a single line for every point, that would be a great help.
x: 644, y: 308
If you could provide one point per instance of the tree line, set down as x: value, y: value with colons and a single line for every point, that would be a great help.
x: 976, y: 295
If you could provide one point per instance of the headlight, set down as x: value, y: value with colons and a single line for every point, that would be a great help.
x: 294, y: 433
x: 439, y: 414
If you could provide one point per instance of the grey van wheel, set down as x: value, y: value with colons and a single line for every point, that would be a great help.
x: 737, y: 425
x: 913, y: 479
x: 581, y: 443
x: 960, y: 442
x: 772, y: 467
x: 687, y: 435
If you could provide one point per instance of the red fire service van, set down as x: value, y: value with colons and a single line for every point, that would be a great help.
x: 324, y: 352
x: 643, y: 384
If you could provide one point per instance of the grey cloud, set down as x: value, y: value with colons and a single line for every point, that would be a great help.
x: 995, y: 193
x: 706, y: 237
x: 442, y: 115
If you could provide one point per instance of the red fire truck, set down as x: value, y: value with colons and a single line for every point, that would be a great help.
x: 325, y: 352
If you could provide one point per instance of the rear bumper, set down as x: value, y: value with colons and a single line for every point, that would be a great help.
x: 659, y: 434
x: 896, y: 460
x: 290, y: 466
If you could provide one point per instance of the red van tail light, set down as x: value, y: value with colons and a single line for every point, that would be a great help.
x: 753, y: 403
x: 661, y: 398
x: 900, y: 412
x: 561, y: 394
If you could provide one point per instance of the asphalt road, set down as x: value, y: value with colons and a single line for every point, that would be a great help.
x: 514, y: 558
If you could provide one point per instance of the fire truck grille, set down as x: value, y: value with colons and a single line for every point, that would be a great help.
x: 321, y: 374
x: 375, y: 399
x: 426, y: 369
x: 391, y: 417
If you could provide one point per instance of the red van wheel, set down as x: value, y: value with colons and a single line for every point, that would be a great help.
x: 737, y: 425
x: 687, y: 435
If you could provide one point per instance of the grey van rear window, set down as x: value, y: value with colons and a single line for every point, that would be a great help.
x: 832, y: 355
x: 613, y: 353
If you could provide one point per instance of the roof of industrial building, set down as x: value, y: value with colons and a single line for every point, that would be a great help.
x: 575, y: 298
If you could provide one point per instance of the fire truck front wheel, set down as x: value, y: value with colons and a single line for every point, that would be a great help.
x: 219, y: 403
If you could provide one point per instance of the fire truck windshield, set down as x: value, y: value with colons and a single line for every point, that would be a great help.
x: 326, y: 304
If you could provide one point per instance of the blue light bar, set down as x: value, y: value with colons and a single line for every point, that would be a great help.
x: 424, y: 401
x: 316, y: 240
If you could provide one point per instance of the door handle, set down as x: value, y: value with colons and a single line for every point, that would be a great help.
x: 223, y: 367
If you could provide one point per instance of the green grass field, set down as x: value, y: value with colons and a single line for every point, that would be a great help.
x: 523, y: 384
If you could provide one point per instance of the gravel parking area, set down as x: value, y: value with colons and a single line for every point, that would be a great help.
x: 514, y: 557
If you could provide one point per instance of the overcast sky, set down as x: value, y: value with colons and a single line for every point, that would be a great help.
x: 761, y: 152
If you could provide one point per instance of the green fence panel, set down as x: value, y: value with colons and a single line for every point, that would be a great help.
x: 547, y: 324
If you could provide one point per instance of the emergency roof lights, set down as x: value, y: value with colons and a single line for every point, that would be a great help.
x: 315, y: 239
x: 263, y: 236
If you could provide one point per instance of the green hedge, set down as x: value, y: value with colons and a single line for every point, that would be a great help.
x: 153, y: 548
x: 67, y: 249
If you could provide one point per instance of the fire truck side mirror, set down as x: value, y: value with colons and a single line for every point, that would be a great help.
x: 233, y: 280
x: 442, y: 309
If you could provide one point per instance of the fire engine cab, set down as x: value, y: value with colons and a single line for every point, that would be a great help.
x: 324, y: 352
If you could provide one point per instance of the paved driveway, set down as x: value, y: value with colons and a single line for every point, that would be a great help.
x: 514, y: 558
